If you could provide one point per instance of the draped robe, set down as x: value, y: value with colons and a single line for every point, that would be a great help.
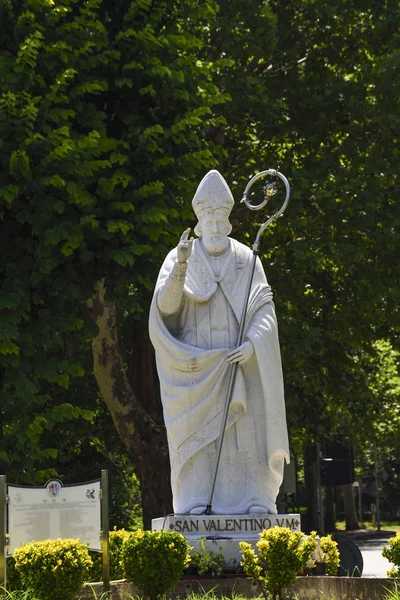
x: 191, y: 348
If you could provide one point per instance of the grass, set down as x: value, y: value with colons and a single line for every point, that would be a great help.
x: 17, y: 594
x: 30, y: 595
x: 393, y: 594
x: 385, y: 526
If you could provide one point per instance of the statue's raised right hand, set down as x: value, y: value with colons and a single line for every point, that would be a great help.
x: 184, y: 249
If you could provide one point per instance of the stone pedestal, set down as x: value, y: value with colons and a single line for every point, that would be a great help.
x: 225, y: 531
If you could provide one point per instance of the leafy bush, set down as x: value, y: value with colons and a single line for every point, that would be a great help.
x: 53, y: 569
x: 13, y: 577
x: 392, y: 553
x: 282, y: 554
x: 116, y: 540
x: 328, y: 553
x: 154, y: 560
x: 203, y: 561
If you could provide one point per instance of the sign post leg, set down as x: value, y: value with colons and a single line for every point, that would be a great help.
x: 3, y: 533
x: 105, y: 544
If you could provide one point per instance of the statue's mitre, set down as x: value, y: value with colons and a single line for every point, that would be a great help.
x: 212, y: 196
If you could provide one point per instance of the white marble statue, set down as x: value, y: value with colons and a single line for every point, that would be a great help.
x: 194, y: 322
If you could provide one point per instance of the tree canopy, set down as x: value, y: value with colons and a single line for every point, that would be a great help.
x: 110, y: 113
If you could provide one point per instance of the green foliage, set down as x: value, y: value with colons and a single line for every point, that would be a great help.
x: 393, y: 593
x: 154, y: 560
x: 383, y: 380
x: 101, y: 448
x: 110, y: 113
x: 328, y: 553
x: 116, y: 540
x: 392, y: 553
x: 104, y: 116
x: 13, y: 576
x: 203, y: 561
x: 18, y: 594
x: 53, y: 569
x: 312, y: 93
x: 282, y: 555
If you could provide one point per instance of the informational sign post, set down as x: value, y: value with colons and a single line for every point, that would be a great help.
x: 54, y: 511
x: 3, y: 521
x: 105, y: 540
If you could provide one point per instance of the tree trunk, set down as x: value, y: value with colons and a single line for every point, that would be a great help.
x: 144, y: 438
x: 138, y: 355
x: 313, y: 487
x: 330, y: 520
x: 350, y: 510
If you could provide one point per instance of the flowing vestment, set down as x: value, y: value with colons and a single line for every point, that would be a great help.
x: 191, y: 348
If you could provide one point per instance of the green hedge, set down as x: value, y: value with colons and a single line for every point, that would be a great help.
x: 154, y: 561
x: 53, y: 569
x: 116, y: 540
x: 392, y: 553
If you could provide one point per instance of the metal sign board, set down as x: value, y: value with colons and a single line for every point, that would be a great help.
x: 54, y: 511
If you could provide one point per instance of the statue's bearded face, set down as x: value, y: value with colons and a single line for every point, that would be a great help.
x: 214, y: 233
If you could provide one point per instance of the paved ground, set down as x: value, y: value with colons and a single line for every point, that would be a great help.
x: 371, y: 543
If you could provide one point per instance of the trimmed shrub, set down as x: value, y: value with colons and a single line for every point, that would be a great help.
x: 154, y: 561
x: 53, y: 569
x: 328, y: 554
x: 116, y: 540
x: 282, y: 555
x: 392, y: 553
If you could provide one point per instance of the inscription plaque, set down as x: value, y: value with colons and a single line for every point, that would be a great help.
x: 225, y: 531
x: 233, y: 524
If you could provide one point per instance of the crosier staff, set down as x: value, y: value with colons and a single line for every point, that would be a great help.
x: 270, y: 190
